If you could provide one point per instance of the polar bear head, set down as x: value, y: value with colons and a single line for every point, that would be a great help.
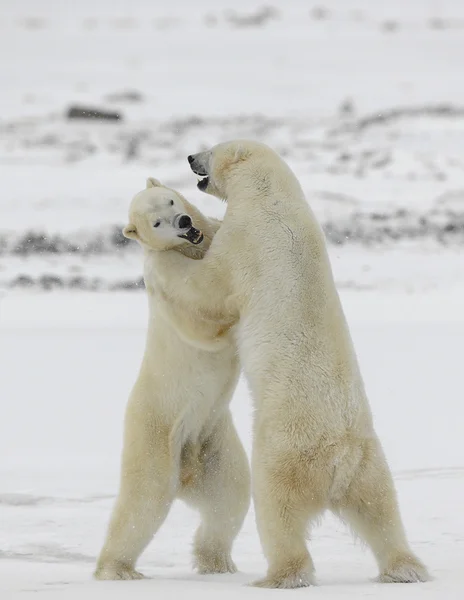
x: 161, y: 219
x: 229, y: 162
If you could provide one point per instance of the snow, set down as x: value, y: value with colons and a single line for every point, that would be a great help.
x: 368, y: 115
x: 131, y: 45
x: 363, y: 98
x: 68, y: 362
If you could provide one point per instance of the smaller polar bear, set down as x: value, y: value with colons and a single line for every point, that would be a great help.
x: 314, y: 446
x: 180, y: 441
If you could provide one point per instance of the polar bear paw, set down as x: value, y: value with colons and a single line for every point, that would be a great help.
x: 286, y: 580
x: 209, y: 563
x: 404, y: 569
x: 117, y: 572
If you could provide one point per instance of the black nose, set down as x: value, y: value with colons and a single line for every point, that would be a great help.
x: 190, y: 158
x: 185, y: 222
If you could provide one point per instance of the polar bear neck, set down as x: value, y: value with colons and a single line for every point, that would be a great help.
x: 264, y: 184
x: 194, y: 252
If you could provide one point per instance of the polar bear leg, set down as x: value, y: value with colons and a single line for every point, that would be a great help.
x: 145, y: 497
x: 283, y: 512
x: 371, y: 508
x: 221, y: 492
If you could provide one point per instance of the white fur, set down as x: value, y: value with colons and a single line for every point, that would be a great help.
x: 315, y: 447
x: 180, y: 440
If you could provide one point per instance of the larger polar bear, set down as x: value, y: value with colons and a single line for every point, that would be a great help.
x: 179, y: 440
x: 315, y: 447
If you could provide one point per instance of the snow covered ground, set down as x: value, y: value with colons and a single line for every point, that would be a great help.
x: 68, y: 362
x: 363, y: 97
x: 365, y: 100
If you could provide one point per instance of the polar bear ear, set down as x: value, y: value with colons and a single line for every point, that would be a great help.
x: 152, y: 182
x: 130, y: 231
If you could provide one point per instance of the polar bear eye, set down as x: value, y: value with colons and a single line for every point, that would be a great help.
x: 157, y: 224
x: 171, y: 203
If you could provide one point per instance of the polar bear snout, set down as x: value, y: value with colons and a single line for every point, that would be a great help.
x: 198, y: 164
x: 182, y: 222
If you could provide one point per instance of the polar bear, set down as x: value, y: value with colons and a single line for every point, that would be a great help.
x: 179, y: 439
x: 314, y: 445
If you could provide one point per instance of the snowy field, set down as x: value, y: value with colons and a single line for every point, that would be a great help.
x: 68, y: 362
x: 365, y: 100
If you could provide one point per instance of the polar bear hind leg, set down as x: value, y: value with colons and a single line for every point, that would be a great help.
x: 370, y: 507
x: 289, y: 496
x: 221, y: 493
x: 146, y: 494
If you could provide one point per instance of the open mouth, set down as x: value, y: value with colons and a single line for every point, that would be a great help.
x: 193, y: 235
x: 203, y: 179
x: 203, y: 183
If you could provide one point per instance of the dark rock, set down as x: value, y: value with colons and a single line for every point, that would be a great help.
x: 86, y: 112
